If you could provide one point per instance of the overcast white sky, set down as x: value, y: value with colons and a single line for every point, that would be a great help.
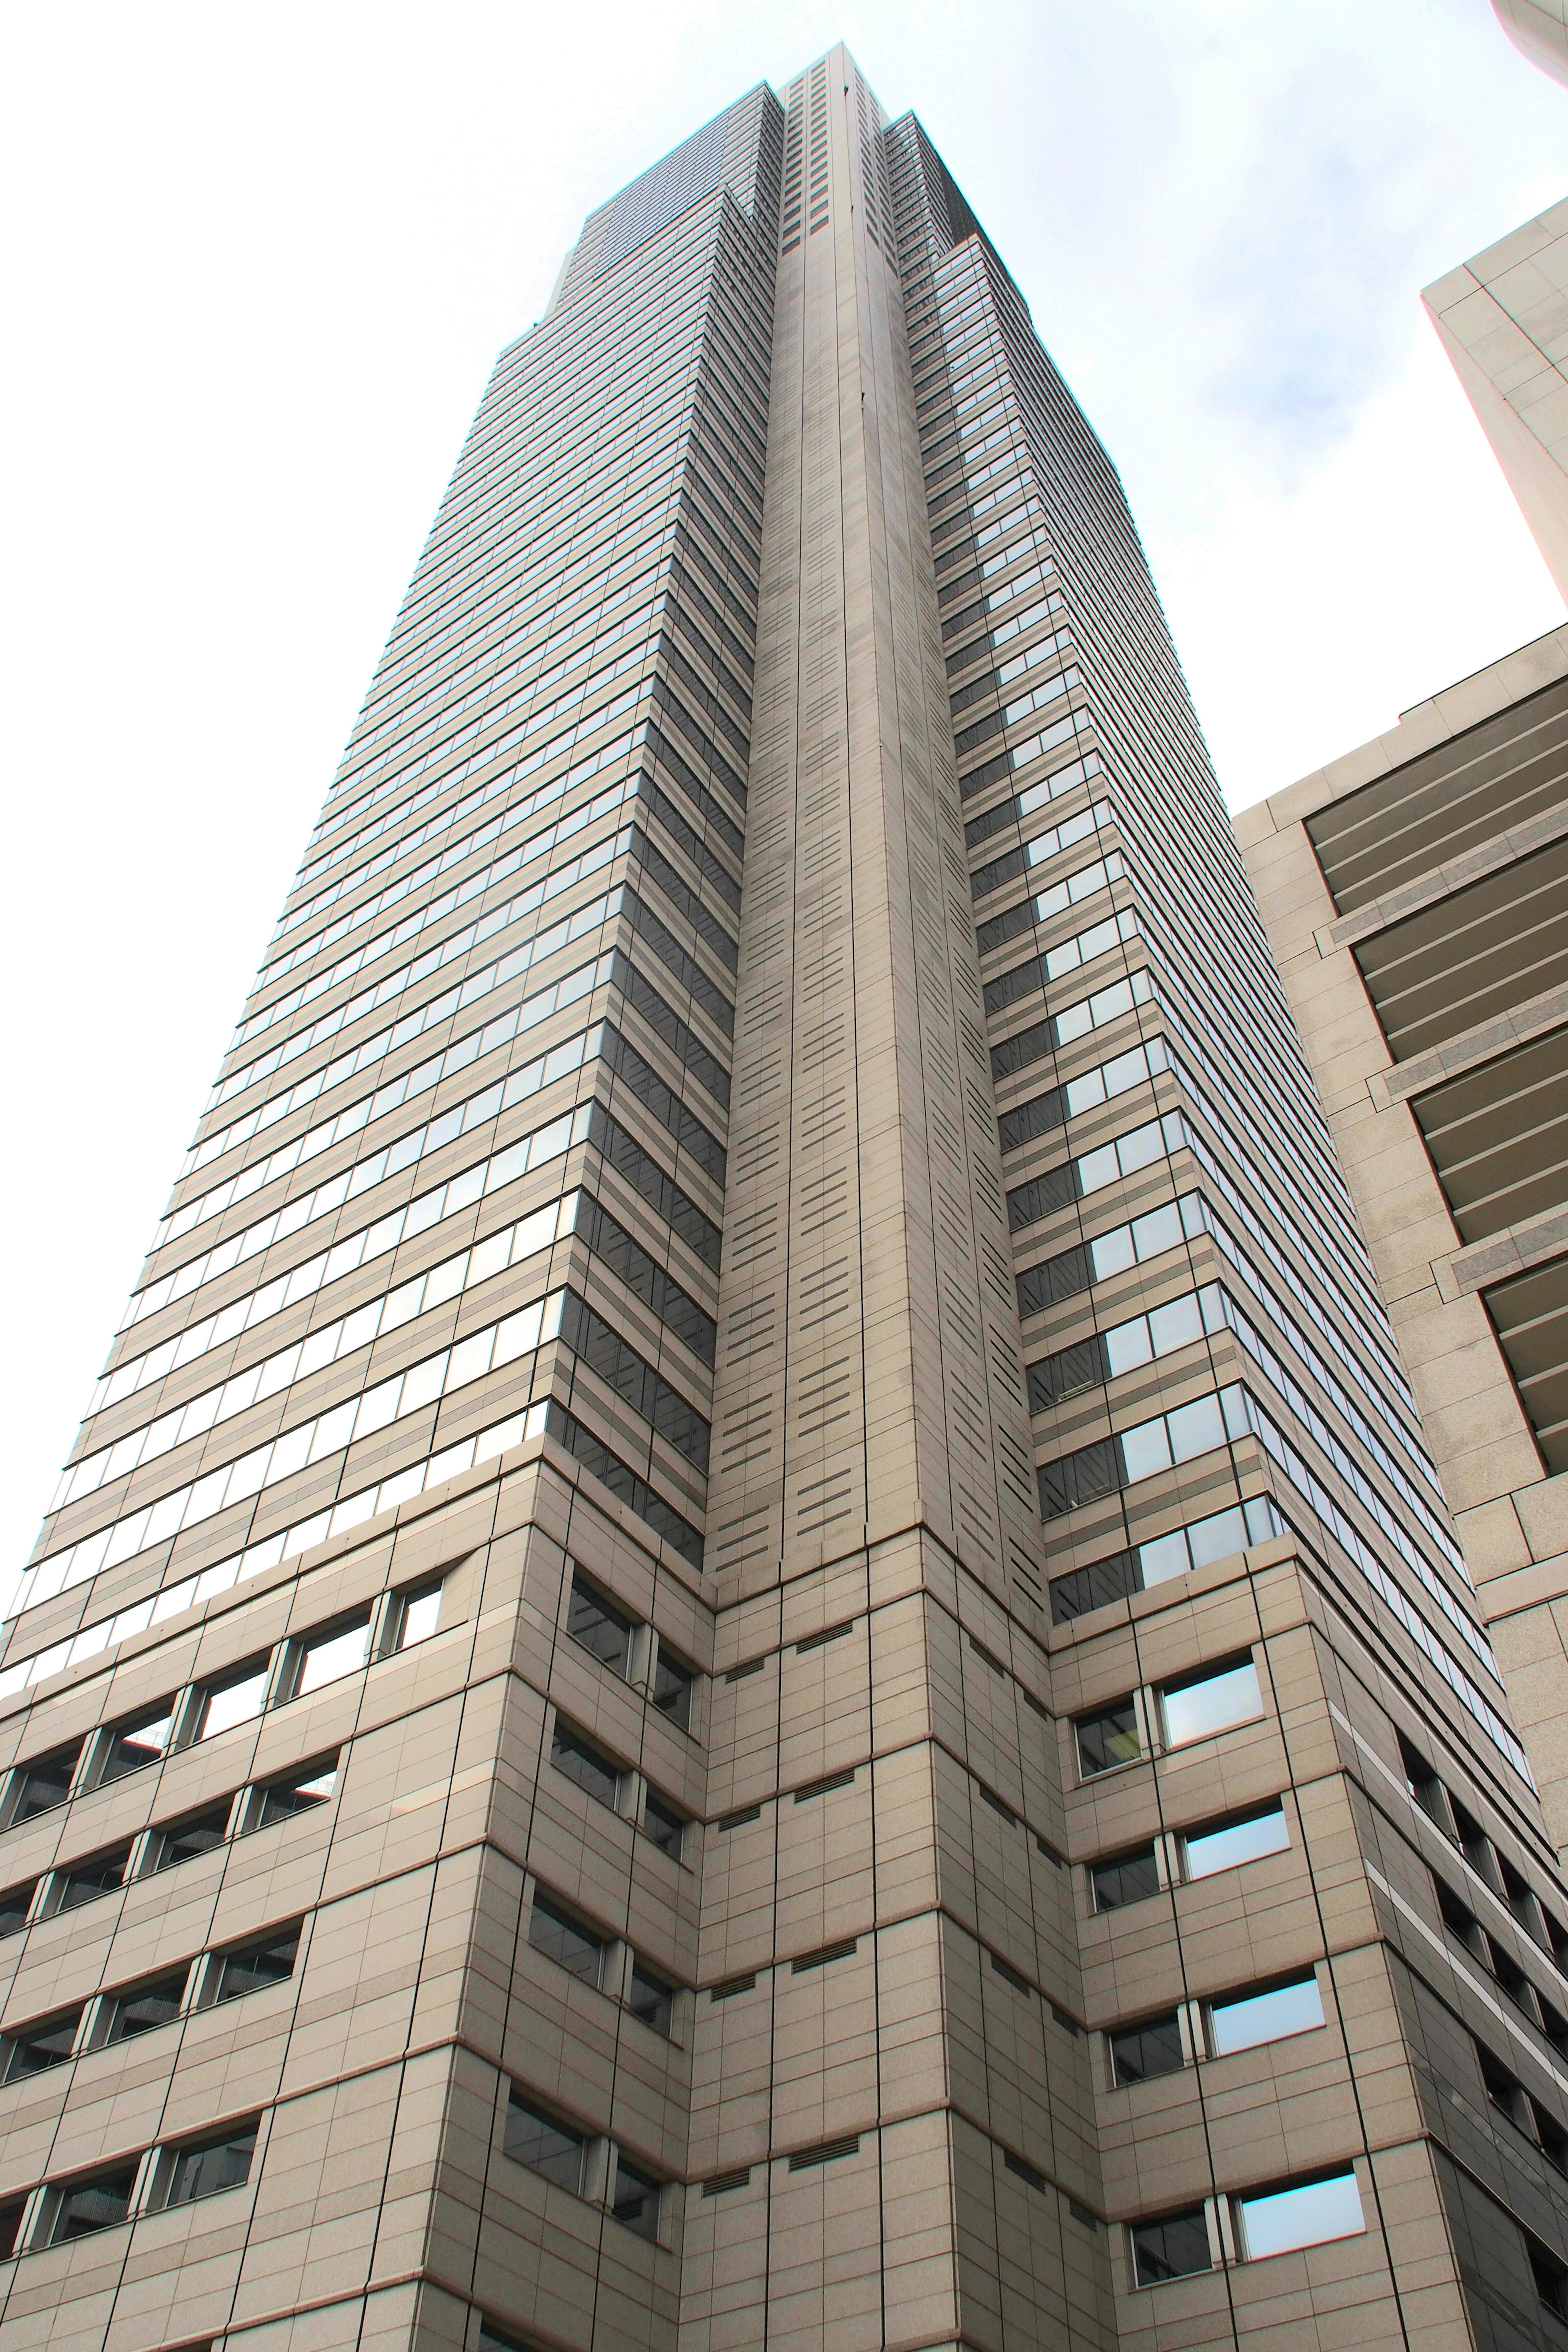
x: 260, y: 263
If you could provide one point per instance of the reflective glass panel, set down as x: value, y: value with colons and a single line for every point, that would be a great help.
x: 234, y: 1703
x: 1253, y: 2018
x: 1235, y: 1842
x: 327, y: 1662
x: 1300, y: 2216
x: 1198, y: 1709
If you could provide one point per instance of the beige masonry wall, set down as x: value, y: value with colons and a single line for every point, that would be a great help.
x: 1502, y: 317
x: 1512, y: 1517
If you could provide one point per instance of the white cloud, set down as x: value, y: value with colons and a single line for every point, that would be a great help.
x: 261, y: 264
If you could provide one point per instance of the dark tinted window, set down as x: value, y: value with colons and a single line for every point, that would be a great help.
x: 1142, y: 2052
x: 136, y: 1744
x: 651, y: 1998
x: 44, y: 1781
x: 1124, y: 1878
x: 544, y: 2145
x: 100, y: 1874
x: 1550, y: 2278
x: 214, y: 2164
x: 253, y: 1966
x: 148, y: 2006
x: 15, y: 1904
x: 636, y: 2198
x: 664, y: 1825
x: 1423, y: 1784
x: 564, y: 1939
x: 672, y: 1688
x: 586, y: 1764
x: 1553, y: 2137
x: 96, y: 2204
x: 1108, y: 1739
x: 198, y: 1835
x: 599, y: 1625
x: 296, y: 1792
x: 1172, y: 2248
x: 1508, y: 1974
x: 11, y: 2212
x: 33, y: 2049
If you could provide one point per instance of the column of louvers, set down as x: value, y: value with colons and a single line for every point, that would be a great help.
x: 884, y: 2153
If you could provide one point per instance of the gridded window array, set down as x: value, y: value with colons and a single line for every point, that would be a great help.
x: 1263, y: 2222
x: 630, y: 1649
x: 561, y: 1935
x: 173, y: 2173
x: 1194, y: 1706
x: 125, y: 2013
x: 560, y: 2151
x: 1135, y: 1875
x: 300, y: 1666
x: 1486, y: 1858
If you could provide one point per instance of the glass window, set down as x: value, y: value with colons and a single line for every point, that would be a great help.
x: 149, y: 2005
x: 651, y: 1998
x: 599, y: 1625
x: 1200, y: 1704
x: 96, y: 2204
x: 1553, y: 2137
x: 100, y: 1874
x: 664, y: 1825
x: 584, y: 1764
x: 1423, y: 1784
x: 544, y: 2145
x: 36, y: 2048
x: 1108, y: 1739
x: 672, y: 1688
x: 212, y: 2164
x: 1139, y: 2053
x: 296, y: 1792
x: 564, y: 1939
x: 1307, y: 2216
x: 44, y: 1781
x: 1250, y: 2018
x: 11, y: 2212
x: 1174, y: 2247
x: 252, y: 1967
x: 15, y: 1904
x: 233, y: 1702
x: 198, y: 1835
x: 1550, y: 2277
x: 1229, y: 1844
x: 136, y: 1744
x: 1124, y: 1878
x: 327, y: 1657
x: 636, y: 2198
x: 420, y: 1614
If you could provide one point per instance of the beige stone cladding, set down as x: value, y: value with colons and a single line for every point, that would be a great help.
x: 883, y: 1771
x: 1502, y: 317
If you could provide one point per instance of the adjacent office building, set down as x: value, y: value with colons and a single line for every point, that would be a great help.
x: 1502, y: 318
x: 752, y: 1641
x: 1539, y: 28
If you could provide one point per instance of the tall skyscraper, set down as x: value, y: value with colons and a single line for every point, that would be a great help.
x: 751, y: 1644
